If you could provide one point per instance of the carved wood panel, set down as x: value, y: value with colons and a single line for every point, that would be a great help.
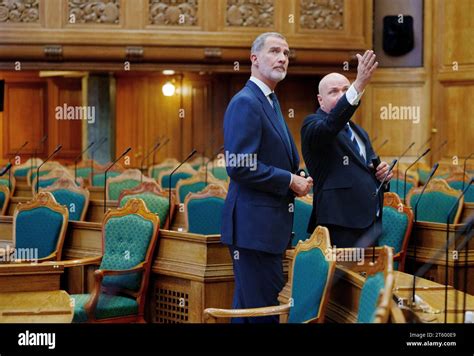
x: 173, y: 12
x: 250, y: 13
x: 94, y: 12
x: 322, y: 14
x: 19, y: 11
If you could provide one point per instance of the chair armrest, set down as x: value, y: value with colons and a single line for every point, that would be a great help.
x: 114, y: 272
x: 211, y: 314
x: 80, y: 262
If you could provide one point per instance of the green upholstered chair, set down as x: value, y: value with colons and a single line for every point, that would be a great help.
x: 220, y: 173
x: 21, y: 171
x: 309, y: 283
x: 397, y: 223
x: 9, y: 183
x: 156, y: 200
x: 49, y: 178
x: 45, y: 169
x: 119, y: 292
x: 302, y: 212
x: 128, y: 179
x: 376, y: 294
x: 97, y: 178
x: 203, y: 210
x: 74, y: 198
x: 194, y: 184
x: 155, y: 170
x: 436, y: 202
x: 455, y: 181
x: 184, y: 172
x: 41, y: 224
x: 4, y: 199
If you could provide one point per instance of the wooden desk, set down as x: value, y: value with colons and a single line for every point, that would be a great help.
x: 22, y: 189
x: 468, y: 210
x: 36, y: 307
x: 431, y: 239
x: 30, y: 277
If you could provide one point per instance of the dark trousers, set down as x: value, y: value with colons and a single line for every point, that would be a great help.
x: 258, y: 280
x: 349, y: 237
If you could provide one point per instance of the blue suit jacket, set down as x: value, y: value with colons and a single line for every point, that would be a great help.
x: 257, y: 212
x: 343, y: 182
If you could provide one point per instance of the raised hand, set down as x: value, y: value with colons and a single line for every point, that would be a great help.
x: 365, y: 69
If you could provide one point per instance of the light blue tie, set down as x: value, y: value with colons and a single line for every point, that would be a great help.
x: 355, y: 144
x: 281, y: 120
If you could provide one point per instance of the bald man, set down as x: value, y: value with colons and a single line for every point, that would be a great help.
x: 338, y: 155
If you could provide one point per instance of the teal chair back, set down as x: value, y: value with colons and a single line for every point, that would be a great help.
x: 99, y: 178
x: 41, y: 224
x: 165, y: 179
x: 185, y: 189
x: 398, y: 188
x: 115, y: 188
x: 155, y: 171
x: 7, y: 183
x: 302, y: 213
x: 458, y: 185
x: 4, y: 199
x: 220, y: 173
x: 436, y: 202
x: 84, y: 172
x: 74, y: 201
x: 203, y: 210
x: 157, y: 204
x: 309, y: 295
x: 369, y: 298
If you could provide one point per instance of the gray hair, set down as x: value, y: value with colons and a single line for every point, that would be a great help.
x: 259, y: 42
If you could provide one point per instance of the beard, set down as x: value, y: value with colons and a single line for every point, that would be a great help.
x: 277, y: 76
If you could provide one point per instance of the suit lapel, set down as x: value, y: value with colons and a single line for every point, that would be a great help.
x: 271, y: 114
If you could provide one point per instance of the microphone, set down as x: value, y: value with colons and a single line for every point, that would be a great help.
x: 78, y: 158
x: 169, y: 184
x: 212, y: 158
x: 406, y: 171
x: 100, y: 143
x: 35, y: 151
x: 154, y: 148
x: 400, y: 158
x: 374, y: 139
x: 394, y: 162
x: 445, y: 142
x: 448, y: 221
x: 435, y: 167
x: 383, y: 144
x: 56, y: 150
x: 159, y: 148
x: 423, y: 145
x: 105, y: 174
x: 14, y: 155
x: 6, y: 169
x: 464, y: 168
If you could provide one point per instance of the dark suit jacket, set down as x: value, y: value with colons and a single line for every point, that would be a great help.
x: 343, y: 182
x: 257, y: 212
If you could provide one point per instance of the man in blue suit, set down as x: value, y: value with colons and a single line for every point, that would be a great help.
x: 261, y: 161
x: 338, y: 155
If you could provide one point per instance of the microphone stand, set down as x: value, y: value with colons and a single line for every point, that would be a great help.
x: 78, y: 158
x: 212, y: 158
x: 448, y: 218
x: 406, y: 171
x: 35, y: 151
x: 169, y: 184
x: 380, y: 147
x: 10, y: 173
x: 399, y: 159
x: 100, y: 143
x: 56, y: 150
x: 154, y: 154
x: 435, y: 167
x: 105, y: 175
x: 154, y: 148
x: 464, y: 168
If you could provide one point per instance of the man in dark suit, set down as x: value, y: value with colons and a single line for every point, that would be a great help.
x: 338, y: 156
x: 261, y: 159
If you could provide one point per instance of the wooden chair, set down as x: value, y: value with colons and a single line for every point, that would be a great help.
x: 156, y: 200
x: 97, y: 177
x: 309, y: 280
x: 377, y: 291
x: 198, y: 162
x: 397, y: 221
x: 184, y: 172
x: 9, y: 182
x: 45, y: 169
x: 67, y: 193
x: 169, y: 163
x: 459, y: 181
x: 302, y: 212
x: 21, y: 171
x: 398, y: 180
x: 194, y: 184
x: 51, y: 177
x: 128, y: 179
x: 129, y: 236
x: 4, y: 199
x: 436, y: 202
x: 40, y: 226
x: 85, y: 168
x: 203, y: 210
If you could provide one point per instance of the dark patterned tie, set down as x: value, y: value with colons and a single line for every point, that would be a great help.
x: 350, y: 134
x: 281, y: 120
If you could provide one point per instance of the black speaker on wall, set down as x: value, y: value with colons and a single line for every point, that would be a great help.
x: 398, y: 33
x: 2, y: 94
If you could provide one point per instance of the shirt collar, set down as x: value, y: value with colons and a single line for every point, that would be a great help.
x: 263, y: 87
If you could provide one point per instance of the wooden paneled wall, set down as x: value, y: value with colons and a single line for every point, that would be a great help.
x: 30, y: 113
